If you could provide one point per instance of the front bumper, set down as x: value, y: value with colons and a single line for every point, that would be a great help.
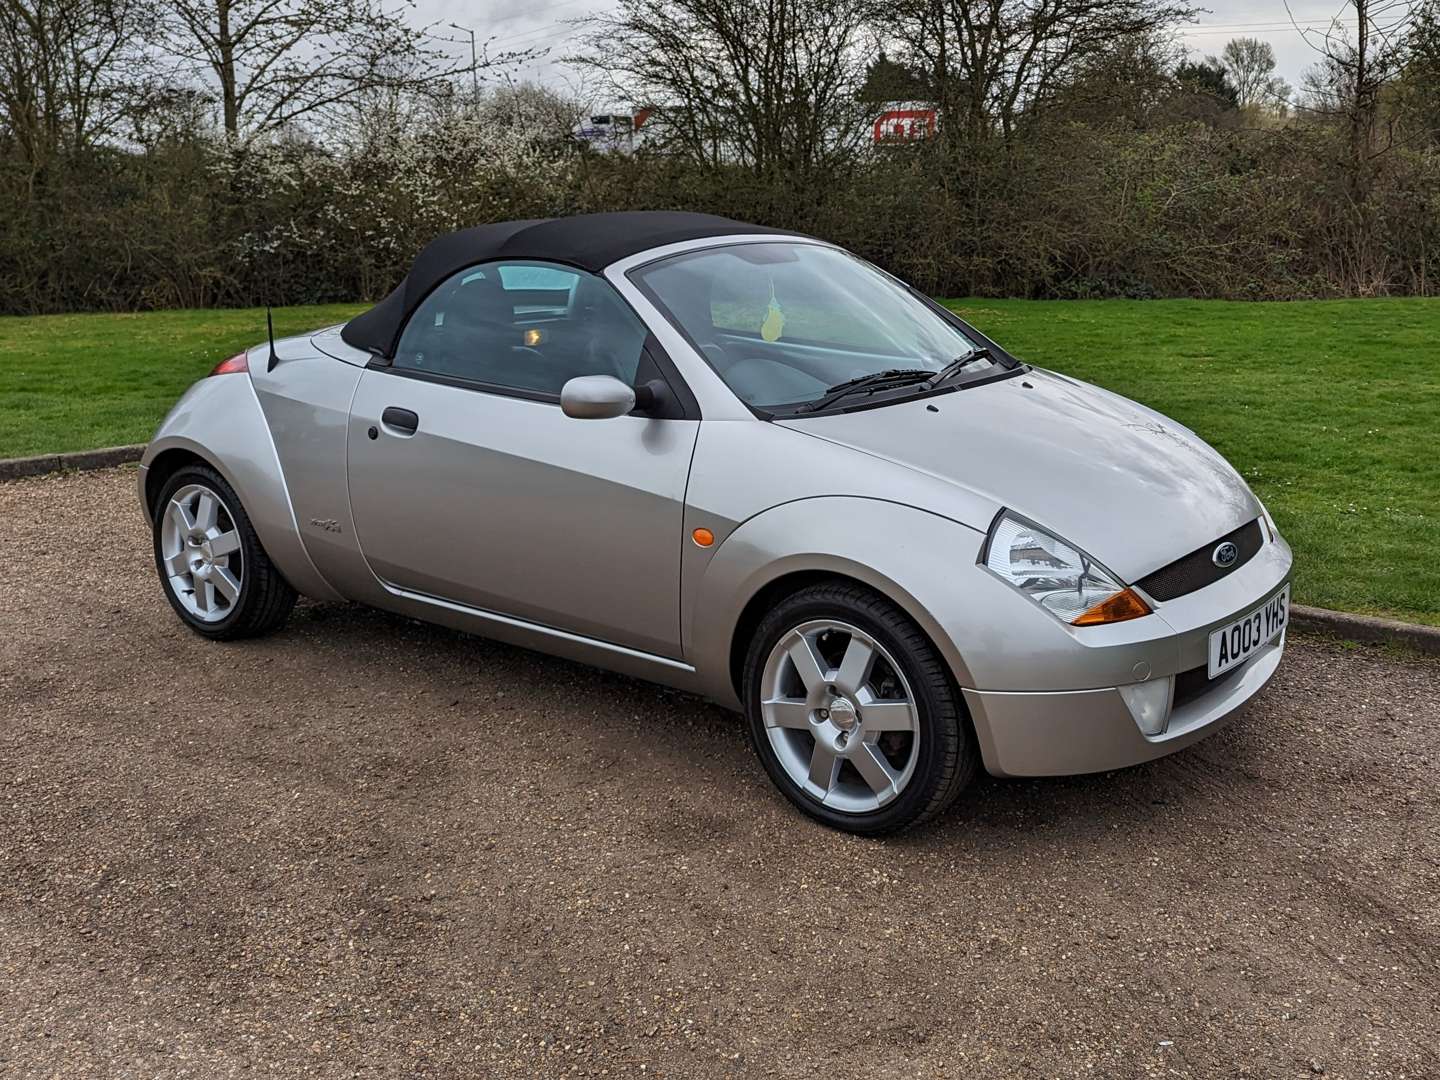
x: 1088, y: 726
x: 1083, y: 731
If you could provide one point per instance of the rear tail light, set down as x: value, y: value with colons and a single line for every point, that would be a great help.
x: 238, y: 362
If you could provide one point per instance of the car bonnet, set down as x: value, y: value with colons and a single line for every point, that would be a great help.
x: 1132, y: 488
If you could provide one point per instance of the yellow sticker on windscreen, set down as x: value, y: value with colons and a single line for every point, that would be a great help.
x: 774, y: 323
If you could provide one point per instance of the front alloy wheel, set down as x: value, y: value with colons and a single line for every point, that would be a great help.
x: 854, y: 713
x: 839, y: 716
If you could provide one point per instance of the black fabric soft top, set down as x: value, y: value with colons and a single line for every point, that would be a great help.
x: 586, y: 241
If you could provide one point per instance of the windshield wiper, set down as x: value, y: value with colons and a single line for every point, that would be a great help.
x: 878, y: 380
x: 959, y: 364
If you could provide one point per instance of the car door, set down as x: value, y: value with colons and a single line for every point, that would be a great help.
x: 469, y: 484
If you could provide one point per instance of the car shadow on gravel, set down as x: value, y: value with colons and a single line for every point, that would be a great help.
x: 686, y: 736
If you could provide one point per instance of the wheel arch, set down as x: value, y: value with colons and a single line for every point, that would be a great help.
x: 166, y: 464
x: 218, y: 422
x: 793, y: 581
x: 753, y: 575
x: 765, y: 598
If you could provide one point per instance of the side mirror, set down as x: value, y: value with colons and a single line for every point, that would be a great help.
x: 596, y: 397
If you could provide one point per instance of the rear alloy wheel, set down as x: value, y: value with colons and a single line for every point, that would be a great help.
x: 200, y: 547
x: 853, y: 713
x: 216, y: 575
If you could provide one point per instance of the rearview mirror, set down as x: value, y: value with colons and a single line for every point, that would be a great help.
x: 596, y: 397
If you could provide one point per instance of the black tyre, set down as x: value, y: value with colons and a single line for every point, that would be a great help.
x: 854, y: 713
x: 212, y: 568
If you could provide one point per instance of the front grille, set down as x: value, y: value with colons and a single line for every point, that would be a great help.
x: 1198, y: 569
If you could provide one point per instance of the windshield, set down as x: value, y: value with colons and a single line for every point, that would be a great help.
x: 783, y: 323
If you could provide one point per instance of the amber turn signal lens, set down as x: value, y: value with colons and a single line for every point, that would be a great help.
x: 703, y: 537
x: 533, y: 337
x: 1120, y: 607
x: 238, y: 362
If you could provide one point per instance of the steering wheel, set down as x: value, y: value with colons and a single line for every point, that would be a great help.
x: 763, y: 378
x: 447, y: 341
x: 551, y: 371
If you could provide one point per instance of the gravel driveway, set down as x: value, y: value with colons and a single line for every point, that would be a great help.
x: 366, y: 847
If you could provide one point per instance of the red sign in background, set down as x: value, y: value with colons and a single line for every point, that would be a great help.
x: 900, y: 125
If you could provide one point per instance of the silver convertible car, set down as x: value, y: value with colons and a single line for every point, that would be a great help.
x: 748, y: 464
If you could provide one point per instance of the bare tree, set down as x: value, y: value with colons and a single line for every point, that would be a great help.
x: 1355, y: 67
x: 273, y: 62
x: 1250, y: 65
x: 1134, y: 82
x: 771, y: 85
x: 992, y: 60
x: 71, y: 71
x: 1419, y: 92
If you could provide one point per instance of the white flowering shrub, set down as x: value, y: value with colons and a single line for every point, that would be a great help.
x: 399, y: 174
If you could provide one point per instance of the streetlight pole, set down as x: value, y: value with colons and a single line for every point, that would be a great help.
x: 474, y: 63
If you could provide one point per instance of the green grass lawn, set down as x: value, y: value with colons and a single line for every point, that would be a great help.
x: 75, y: 382
x: 1330, y: 409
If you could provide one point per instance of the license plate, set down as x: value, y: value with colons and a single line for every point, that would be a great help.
x: 1247, y: 635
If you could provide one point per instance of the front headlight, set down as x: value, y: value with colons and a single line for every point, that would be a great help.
x: 1059, y: 577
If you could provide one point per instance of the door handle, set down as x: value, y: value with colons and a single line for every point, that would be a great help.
x: 402, y: 420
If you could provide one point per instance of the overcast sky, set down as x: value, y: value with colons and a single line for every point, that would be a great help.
x: 542, y: 24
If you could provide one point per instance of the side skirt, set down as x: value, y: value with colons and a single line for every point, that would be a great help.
x: 541, y: 638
